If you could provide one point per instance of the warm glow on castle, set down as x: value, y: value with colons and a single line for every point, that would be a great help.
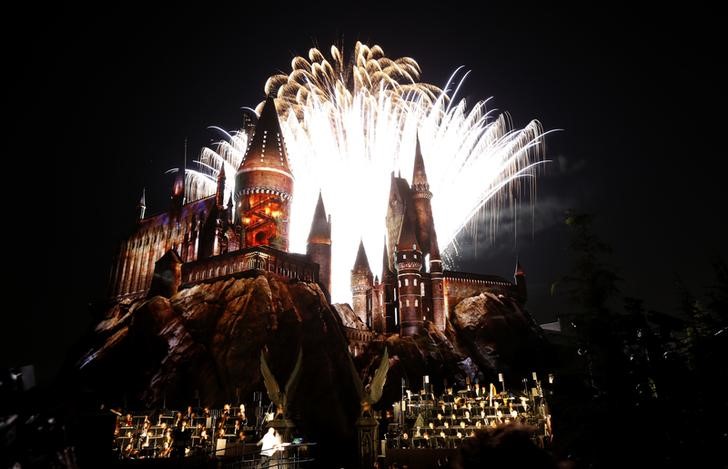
x: 259, y: 199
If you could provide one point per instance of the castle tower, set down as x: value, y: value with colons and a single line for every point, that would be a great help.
x: 361, y: 286
x: 520, y: 277
x: 213, y: 240
x: 427, y: 235
x: 389, y: 279
x: 142, y: 206
x: 264, y: 184
x: 409, y: 265
x: 220, y: 191
x: 319, y: 244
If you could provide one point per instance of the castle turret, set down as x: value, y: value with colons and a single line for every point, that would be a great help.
x: 409, y: 281
x: 142, y: 206
x: 264, y: 184
x: 386, y: 292
x: 319, y: 244
x: 361, y: 286
x: 220, y: 191
x: 427, y: 236
x: 520, y: 277
x: 213, y: 238
x: 230, y: 206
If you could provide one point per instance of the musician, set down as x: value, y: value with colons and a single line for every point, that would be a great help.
x: 270, y: 444
x: 166, y: 444
x: 181, y: 438
x: 241, y: 418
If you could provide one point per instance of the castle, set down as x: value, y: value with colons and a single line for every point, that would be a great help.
x: 208, y: 239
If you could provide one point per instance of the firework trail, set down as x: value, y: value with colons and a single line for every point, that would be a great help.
x: 348, y: 124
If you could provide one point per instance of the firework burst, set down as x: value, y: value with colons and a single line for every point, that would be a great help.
x: 349, y: 124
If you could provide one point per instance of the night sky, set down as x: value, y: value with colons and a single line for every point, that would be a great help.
x: 105, y: 100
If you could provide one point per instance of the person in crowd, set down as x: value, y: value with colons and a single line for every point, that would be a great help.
x: 506, y: 446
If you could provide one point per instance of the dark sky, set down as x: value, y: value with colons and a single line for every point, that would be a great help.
x: 107, y: 97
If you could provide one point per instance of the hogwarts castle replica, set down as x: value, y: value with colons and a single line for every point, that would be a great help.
x: 202, y: 292
x: 208, y: 239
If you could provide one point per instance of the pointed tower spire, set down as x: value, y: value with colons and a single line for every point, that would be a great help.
x: 318, y: 248
x: 320, y: 226
x: 267, y: 148
x: 362, y: 262
x: 419, y: 176
x: 407, y: 237
x: 361, y: 286
x: 386, y: 269
x: 142, y: 206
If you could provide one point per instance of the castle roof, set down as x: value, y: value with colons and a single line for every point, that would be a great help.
x: 320, y: 228
x: 362, y: 263
x: 419, y: 176
x: 170, y: 257
x: 267, y: 150
x: 386, y: 270
x: 407, y: 237
x: 197, y: 208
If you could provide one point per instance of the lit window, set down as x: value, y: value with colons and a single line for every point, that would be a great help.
x: 406, y: 302
x: 415, y: 282
x: 417, y: 303
x: 404, y: 256
x: 406, y: 282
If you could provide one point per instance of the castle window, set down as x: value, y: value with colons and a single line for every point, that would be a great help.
x: 415, y: 282
x: 422, y: 289
x: 399, y: 283
x: 417, y: 303
x: 406, y: 282
x: 406, y: 302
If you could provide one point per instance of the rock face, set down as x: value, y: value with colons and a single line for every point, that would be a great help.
x: 498, y: 335
x: 206, y: 341
x: 485, y: 335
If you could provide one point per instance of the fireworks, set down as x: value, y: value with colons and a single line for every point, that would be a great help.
x: 348, y: 125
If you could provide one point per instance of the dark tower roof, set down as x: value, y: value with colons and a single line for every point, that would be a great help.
x: 320, y: 227
x: 362, y: 263
x: 407, y: 237
x: 386, y: 270
x: 267, y: 149
x: 419, y: 176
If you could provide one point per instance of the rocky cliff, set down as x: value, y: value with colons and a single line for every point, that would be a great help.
x: 485, y: 335
x: 206, y: 341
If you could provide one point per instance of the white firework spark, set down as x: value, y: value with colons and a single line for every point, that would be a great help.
x: 348, y: 126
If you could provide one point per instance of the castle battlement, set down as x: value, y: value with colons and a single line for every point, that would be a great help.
x: 263, y: 258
